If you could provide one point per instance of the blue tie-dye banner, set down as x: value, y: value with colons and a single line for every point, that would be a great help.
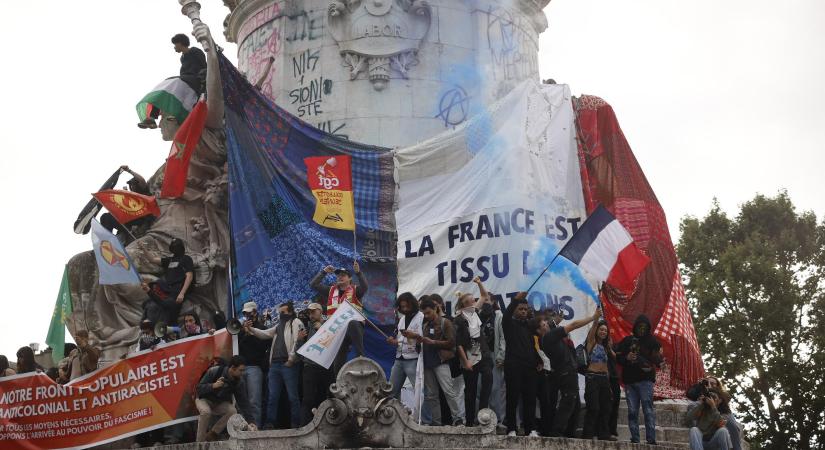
x: 277, y: 248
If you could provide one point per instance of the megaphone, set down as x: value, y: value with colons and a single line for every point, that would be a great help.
x: 161, y: 329
x: 234, y: 326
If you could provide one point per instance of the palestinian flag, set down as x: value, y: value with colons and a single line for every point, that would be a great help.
x: 172, y: 96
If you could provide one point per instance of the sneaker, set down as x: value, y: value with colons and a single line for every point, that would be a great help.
x: 147, y: 123
x: 458, y: 423
x: 511, y: 434
x: 652, y: 443
x: 534, y: 433
x: 609, y: 438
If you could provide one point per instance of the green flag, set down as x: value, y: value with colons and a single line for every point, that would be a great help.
x: 56, y: 338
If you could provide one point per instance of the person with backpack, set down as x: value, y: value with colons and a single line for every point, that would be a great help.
x: 474, y: 350
x: 597, y: 393
x: 438, y: 347
x: 564, y: 363
x: 215, y: 391
x: 410, y: 320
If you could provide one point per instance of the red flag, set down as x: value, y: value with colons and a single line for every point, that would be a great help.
x: 127, y: 206
x: 177, y: 164
x: 330, y: 180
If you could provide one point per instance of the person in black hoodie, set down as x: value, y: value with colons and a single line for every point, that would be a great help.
x: 256, y: 353
x: 639, y: 355
x: 521, y: 365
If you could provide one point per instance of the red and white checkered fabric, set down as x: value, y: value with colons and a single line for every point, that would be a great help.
x: 676, y: 319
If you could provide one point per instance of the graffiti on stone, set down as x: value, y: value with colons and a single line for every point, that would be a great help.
x: 513, y: 49
x: 453, y: 107
x: 334, y: 128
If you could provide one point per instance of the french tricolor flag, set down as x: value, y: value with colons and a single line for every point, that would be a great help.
x: 603, y: 248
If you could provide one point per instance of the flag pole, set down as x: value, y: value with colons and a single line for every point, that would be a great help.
x: 367, y: 319
x: 124, y: 227
x: 542, y: 272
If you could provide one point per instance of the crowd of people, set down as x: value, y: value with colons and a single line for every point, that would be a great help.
x: 519, y: 362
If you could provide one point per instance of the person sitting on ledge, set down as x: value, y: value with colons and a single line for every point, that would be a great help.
x: 708, y: 430
x: 215, y: 391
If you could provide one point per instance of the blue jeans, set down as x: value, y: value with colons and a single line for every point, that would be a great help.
x: 402, y: 369
x: 733, y: 430
x: 281, y: 376
x: 254, y: 379
x: 636, y: 393
x: 719, y: 441
x: 497, y: 397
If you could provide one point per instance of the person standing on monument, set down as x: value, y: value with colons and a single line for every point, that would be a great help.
x: 344, y: 291
x: 562, y: 355
x: 284, y: 373
x: 639, y: 355
x: 256, y: 354
x: 316, y: 379
x: 192, y: 62
x: 438, y: 347
x: 410, y: 321
x: 521, y: 366
x: 597, y: 393
x: 84, y: 358
x: 473, y: 347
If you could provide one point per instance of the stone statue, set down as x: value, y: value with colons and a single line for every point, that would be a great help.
x: 200, y: 218
x: 362, y: 413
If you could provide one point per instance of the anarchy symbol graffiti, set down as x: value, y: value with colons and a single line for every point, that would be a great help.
x: 454, y: 107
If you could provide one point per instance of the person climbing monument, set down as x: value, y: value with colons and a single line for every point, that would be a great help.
x: 176, y: 96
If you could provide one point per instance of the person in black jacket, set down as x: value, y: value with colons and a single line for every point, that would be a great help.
x: 215, y: 391
x: 563, y: 361
x: 316, y: 378
x: 256, y: 354
x: 639, y: 355
x: 521, y: 365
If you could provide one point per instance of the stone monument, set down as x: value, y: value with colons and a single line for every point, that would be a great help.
x: 386, y: 72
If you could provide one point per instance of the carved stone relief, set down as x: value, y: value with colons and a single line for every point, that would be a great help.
x: 379, y: 36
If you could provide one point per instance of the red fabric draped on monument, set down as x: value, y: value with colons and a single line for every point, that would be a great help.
x: 612, y: 177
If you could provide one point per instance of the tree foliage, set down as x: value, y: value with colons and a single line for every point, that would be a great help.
x: 755, y: 287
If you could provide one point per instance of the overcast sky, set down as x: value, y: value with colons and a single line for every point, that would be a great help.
x: 717, y: 99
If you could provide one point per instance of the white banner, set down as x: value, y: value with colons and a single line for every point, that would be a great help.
x: 496, y: 198
x: 324, y: 344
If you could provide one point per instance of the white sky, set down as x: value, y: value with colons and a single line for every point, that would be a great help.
x: 721, y: 99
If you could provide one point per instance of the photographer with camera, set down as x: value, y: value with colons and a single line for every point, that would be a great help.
x: 215, y: 391
x: 639, y: 355
x: 256, y: 354
x: 708, y: 430
x: 708, y: 384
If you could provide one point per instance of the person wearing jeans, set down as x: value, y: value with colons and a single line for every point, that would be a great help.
x: 406, y: 349
x: 639, y: 355
x: 708, y: 426
x: 283, y: 370
x: 255, y: 352
x: 438, y: 344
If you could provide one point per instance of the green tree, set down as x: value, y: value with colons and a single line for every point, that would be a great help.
x: 755, y: 287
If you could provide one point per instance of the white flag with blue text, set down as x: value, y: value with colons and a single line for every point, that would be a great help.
x: 322, y: 347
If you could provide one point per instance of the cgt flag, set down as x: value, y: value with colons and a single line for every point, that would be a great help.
x: 330, y: 179
x: 177, y: 163
x: 127, y: 206
x: 113, y: 263
x: 56, y: 338
x: 603, y: 248
x: 324, y: 344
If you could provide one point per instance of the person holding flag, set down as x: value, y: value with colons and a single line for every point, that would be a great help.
x: 344, y: 291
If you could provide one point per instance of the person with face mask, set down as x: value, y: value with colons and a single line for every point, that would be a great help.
x: 178, y: 271
x: 473, y: 350
x: 639, y: 355
x: 284, y: 372
x: 343, y: 290
x: 256, y: 353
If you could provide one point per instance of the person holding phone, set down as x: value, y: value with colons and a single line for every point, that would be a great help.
x: 410, y: 320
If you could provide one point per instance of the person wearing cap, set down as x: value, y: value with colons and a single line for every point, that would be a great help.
x: 344, y: 291
x: 316, y: 379
x: 256, y: 354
